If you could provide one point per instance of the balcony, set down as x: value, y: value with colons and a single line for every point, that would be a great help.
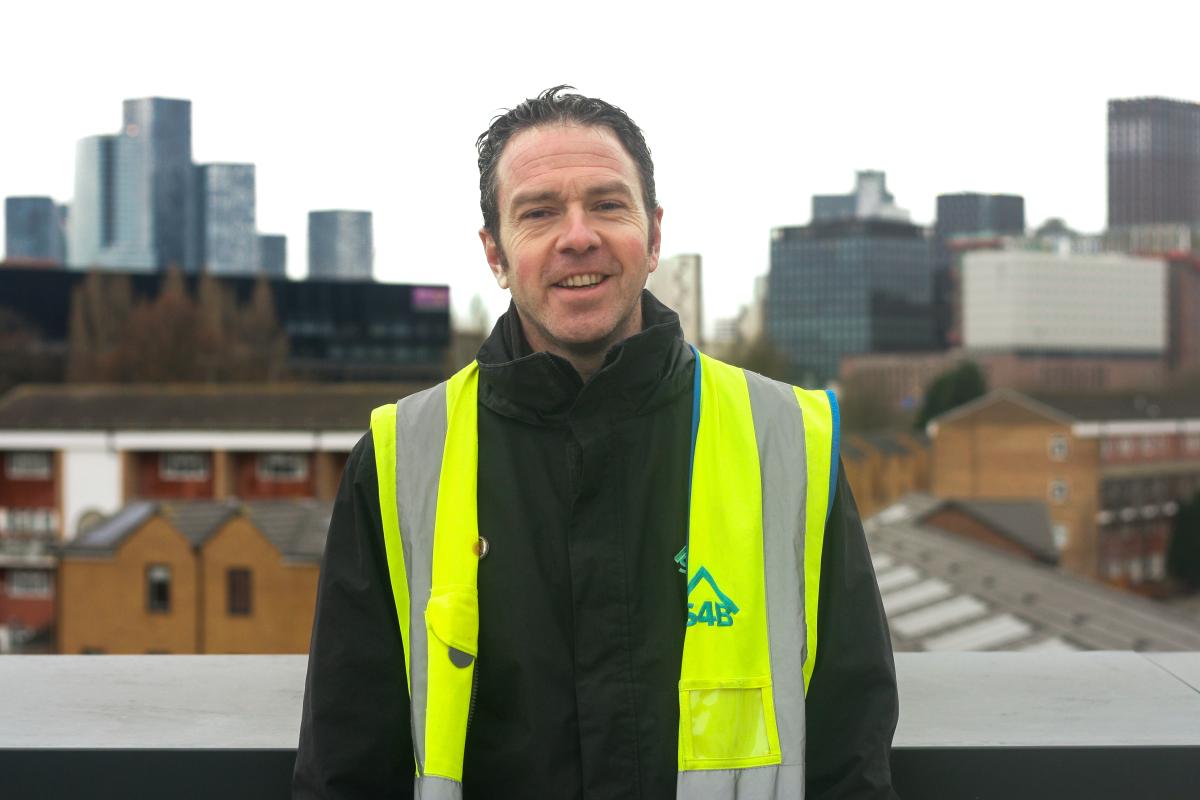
x: 972, y: 725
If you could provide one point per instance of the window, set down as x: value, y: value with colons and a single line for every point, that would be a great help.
x: 183, y: 466
x: 1058, y: 447
x: 1114, y: 568
x: 1059, y: 491
x: 1062, y: 534
x: 27, y: 466
x: 237, y: 580
x: 282, y: 467
x: 1158, y: 566
x: 158, y: 588
x: 29, y: 583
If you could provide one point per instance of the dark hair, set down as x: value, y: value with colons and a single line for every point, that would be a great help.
x: 551, y: 107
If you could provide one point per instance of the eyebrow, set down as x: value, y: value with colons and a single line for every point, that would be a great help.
x: 531, y: 198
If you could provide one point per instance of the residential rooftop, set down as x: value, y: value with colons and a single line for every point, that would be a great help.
x: 942, y: 592
x: 225, y: 407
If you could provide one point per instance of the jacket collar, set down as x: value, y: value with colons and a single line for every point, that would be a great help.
x: 646, y: 370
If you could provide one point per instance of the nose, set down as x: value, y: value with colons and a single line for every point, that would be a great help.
x: 577, y: 234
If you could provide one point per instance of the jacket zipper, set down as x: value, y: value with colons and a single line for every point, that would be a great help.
x: 474, y: 692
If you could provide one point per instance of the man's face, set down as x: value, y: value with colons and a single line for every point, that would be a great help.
x: 575, y: 243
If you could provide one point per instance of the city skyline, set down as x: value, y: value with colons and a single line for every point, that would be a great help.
x: 1011, y: 108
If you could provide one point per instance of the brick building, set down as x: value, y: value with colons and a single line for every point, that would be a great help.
x: 194, y: 577
x: 71, y: 455
x: 74, y: 453
x: 1112, y: 469
x: 883, y: 467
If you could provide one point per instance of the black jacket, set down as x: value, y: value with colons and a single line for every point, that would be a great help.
x: 583, y: 499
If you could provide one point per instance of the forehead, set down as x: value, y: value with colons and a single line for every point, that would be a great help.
x: 548, y: 154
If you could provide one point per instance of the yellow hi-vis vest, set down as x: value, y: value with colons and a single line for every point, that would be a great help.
x: 763, y: 462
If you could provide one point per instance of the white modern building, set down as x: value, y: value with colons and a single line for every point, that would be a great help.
x: 677, y: 283
x: 1023, y: 301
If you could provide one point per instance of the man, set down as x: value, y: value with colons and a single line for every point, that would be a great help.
x: 600, y: 564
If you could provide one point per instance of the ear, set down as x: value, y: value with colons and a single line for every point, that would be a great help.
x: 491, y: 251
x: 655, y: 238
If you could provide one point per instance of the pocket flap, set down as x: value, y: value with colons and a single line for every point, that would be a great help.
x: 452, y: 615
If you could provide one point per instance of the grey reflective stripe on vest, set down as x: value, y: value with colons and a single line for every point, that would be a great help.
x: 751, y: 783
x: 420, y: 440
x: 431, y: 787
x: 779, y: 432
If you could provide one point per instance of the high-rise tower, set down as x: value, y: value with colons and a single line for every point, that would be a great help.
x: 1153, y: 162
x: 340, y: 245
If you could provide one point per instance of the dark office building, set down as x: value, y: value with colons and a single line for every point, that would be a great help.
x: 843, y: 287
x: 272, y: 254
x: 979, y: 215
x: 336, y: 330
x: 33, y: 231
x: 1153, y: 162
x: 966, y: 221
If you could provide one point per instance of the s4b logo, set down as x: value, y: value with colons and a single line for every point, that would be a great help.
x: 718, y: 612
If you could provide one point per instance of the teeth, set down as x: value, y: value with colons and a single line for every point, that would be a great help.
x: 581, y: 280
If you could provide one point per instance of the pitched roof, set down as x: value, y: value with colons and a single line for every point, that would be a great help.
x: 943, y: 592
x: 1025, y: 522
x: 1109, y: 406
x: 285, y: 407
x: 851, y: 450
x: 296, y: 528
x: 887, y: 443
x: 1124, y: 406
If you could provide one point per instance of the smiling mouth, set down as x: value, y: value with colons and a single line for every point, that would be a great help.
x: 581, y: 281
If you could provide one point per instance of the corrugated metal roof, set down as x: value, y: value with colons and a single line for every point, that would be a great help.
x: 941, y: 591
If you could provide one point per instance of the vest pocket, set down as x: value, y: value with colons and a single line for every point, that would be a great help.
x: 452, y: 623
x: 727, y: 724
x: 452, y: 618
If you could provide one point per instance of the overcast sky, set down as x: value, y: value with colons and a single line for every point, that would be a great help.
x: 749, y: 109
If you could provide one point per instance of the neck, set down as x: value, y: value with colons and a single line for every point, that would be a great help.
x: 586, y: 357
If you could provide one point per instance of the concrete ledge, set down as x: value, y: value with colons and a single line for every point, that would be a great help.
x: 972, y: 725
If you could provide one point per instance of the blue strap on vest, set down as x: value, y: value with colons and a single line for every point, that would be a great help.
x: 836, y: 450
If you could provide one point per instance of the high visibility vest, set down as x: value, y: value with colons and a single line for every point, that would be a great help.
x: 763, y: 474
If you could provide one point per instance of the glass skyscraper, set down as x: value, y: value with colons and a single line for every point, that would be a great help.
x: 154, y: 191
x: 92, y: 228
x: 134, y: 204
x: 340, y: 245
x: 227, y: 242
x: 33, y: 231
x: 848, y: 286
x: 272, y: 254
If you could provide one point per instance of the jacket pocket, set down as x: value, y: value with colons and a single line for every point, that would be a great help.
x: 452, y: 624
x: 727, y: 724
x: 452, y: 618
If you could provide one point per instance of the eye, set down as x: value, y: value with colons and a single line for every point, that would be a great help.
x: 610, y: 205
x: 536, y: 213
